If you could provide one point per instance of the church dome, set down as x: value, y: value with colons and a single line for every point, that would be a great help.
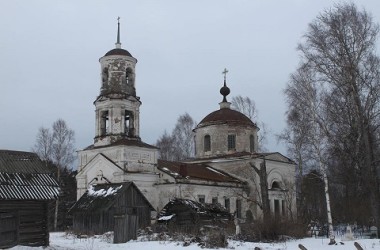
x: 225, y: 131
x: 118, y: 52
x: 226, y: 116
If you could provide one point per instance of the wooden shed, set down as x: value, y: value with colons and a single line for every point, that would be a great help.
x: 27, y: 185
x: 185, y: 212
x: 118, y: 207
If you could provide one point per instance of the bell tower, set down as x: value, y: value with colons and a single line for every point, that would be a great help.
x: 117, y: 106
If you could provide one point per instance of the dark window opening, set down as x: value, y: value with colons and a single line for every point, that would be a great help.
x: 214, y: 200
x: 201, y: 198
x: 276, y: 208
x: 207, y: 143
x: 231, y: 142
x: 252, y: 143
x: 129, y: 76
x: 238, y: 209
x: 129, y: 123
x: 276, y: 185
x: 283, y: 207
x: 104, y: 123
x: 227, y: 204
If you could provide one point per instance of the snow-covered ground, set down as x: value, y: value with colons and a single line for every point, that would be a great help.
x: 62, y: 241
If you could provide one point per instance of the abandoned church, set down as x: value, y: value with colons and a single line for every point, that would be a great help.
x: 226, y: 149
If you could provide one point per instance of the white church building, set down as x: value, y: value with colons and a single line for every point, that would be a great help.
x: 225, y: 146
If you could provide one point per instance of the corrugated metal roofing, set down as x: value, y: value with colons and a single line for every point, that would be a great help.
x: 28, y: 187
x: 23, y: 176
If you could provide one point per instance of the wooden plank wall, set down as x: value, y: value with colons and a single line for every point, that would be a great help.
x: 9, y: 230
x: 32, y: 221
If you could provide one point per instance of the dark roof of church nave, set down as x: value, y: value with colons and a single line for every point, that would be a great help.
x: 118, y: 52
x: 200, y: 171
x: 226, y: 116
x: 271, y: 156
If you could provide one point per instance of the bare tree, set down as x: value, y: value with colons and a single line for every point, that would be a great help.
x: 261, y: 171
x: 58, y: 148
x: 166, y: 145
x: 184, y: 136
x: 44, y: 144
x: 341, y: 76
x: 246, y: 106
x: 180, y: 144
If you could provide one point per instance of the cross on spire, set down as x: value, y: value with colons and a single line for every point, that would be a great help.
x: 225, y: 71
x: 118, y: 44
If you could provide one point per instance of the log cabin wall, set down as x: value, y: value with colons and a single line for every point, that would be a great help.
x: 24, y: 223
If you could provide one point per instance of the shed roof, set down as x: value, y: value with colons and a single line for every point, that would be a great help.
x: 23, y: 176
x: 101, y: 197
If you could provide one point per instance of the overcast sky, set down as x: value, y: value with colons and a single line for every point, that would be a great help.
x: 50, y: 50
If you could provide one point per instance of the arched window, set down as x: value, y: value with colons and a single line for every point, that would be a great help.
x: 129, y: 126
x: 252, y: 143
x: 207, y: 143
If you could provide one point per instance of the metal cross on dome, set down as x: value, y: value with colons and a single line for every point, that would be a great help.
x: 225, y: 71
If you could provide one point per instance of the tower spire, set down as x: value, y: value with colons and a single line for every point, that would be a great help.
x: 118, y: 44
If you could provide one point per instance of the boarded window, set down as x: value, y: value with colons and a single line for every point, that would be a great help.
x: 207, y: 143
x: 231, y: 142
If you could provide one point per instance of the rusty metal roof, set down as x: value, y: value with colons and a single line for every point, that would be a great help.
x: 198, y: 171
x: 23, y: 176
x: 226, y: 116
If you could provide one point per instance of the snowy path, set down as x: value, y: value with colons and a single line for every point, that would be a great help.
x: 61, y: 241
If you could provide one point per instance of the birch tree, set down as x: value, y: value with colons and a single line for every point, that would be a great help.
x: 340, y: 65
x: 56, y: 147
x: 179, y: 144
x: 247, y: 106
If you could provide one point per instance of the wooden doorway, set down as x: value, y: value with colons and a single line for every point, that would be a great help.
x: 125, y: 228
